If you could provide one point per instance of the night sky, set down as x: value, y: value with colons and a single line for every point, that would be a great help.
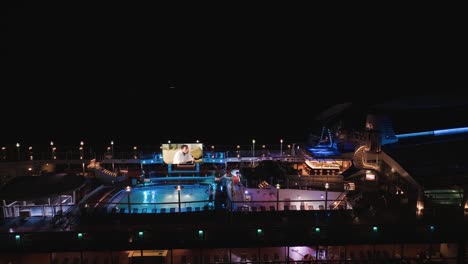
x: 99, y: 74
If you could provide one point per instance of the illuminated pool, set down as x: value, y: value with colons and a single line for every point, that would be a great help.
x: 165, y: 198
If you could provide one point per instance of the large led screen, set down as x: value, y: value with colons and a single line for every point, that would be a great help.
x: 182, y: 153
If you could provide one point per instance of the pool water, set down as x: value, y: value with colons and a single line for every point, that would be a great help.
x: 154, y: 198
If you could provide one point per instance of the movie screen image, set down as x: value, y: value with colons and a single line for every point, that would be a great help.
x: 182, y: 153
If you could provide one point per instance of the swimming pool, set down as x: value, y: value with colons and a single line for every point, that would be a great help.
x: 165, y: 198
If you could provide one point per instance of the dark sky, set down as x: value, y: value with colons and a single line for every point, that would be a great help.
x: 99, y: 74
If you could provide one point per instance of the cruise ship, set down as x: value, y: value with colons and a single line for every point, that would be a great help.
x: 381, y: 184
